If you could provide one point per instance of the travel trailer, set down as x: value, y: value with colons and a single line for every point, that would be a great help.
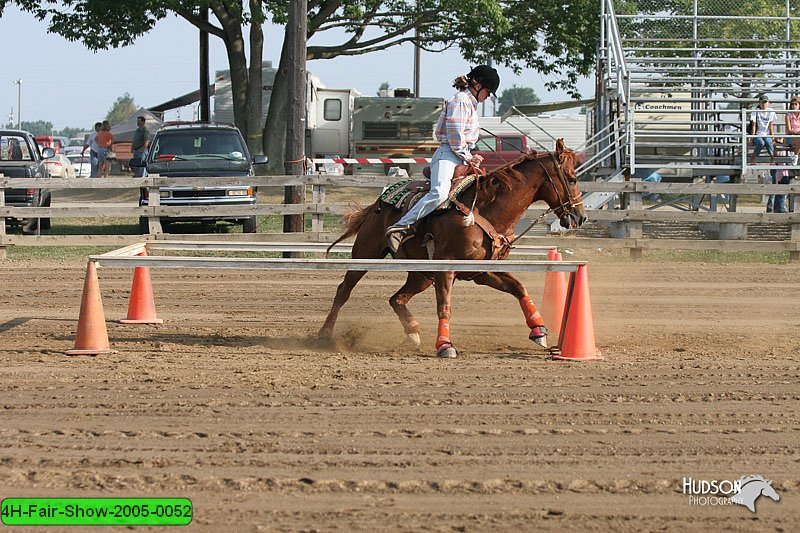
x: 343, y: 123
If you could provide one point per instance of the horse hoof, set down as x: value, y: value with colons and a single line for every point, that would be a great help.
x: 447, y: 351
x: 541, y: 341
x: 412, y: 339
x: 539, y: 335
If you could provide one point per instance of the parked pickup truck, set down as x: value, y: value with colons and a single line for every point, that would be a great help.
x: 20, y: 158
x: 500, y: 149
x: 200, y: 150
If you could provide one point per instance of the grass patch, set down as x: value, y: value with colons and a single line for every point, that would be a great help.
x: 55, y: 253
x: 679, y: 256
x: 716, y: 256
x: 93, y: 226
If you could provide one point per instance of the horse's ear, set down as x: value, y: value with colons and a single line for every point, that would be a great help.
x: 559, y: 147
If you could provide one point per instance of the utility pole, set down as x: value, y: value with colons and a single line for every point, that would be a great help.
x: 417, y: 63
x: 296, y: 116
x: 19, y: 103
x: 205, y: 99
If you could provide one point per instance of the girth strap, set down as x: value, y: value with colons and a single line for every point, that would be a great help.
x: 501, y: 245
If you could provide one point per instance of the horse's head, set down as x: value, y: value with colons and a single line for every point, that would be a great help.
x: 768, y: 491
x: 562, y: 193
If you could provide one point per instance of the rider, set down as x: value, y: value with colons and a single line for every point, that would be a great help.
x: 457, y: 131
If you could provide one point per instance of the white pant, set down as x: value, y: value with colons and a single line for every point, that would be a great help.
x: 443, y: 166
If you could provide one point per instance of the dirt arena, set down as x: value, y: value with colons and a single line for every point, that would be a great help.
x: 231, y: 404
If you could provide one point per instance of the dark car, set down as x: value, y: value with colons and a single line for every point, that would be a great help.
x: 20, y: 157
x: 198, y: 150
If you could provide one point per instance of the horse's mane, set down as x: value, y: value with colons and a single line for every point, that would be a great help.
x: 748, y: 479
x: 507, y: 176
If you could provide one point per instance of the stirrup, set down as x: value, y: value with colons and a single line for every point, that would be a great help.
x: 396, y: 239
x: 396, y: 229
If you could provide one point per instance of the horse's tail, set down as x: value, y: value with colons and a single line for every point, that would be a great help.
x: 353, y: 220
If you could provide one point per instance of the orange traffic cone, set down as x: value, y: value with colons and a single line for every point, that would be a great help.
x: 555, y: 296
x: 141, y: 306
x: 576, y: 341
x: 92, y: 336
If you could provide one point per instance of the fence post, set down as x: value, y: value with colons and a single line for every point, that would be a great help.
x: 317, y: 218
x: 633, y: 228
x: 3, y: 255
x: 153, y: 202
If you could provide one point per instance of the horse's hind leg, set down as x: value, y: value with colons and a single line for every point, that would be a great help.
x: 351, y: 279
x: 416, y: 282
x: 503, y: 281
x: 369, y: 244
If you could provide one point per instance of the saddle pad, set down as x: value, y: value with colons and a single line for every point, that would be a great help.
x: 403, y: 194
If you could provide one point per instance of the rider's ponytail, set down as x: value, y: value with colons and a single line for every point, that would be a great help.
x: 461, y: 83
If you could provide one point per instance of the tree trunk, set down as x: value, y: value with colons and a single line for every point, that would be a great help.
x: 255, y: 93
x: 236, y: 59
x: 275, y: 128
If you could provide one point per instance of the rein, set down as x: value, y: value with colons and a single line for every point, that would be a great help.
x: 501, y: 243
x: 569, y: 203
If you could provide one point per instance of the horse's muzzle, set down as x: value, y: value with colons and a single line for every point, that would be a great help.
x: 573, y: 220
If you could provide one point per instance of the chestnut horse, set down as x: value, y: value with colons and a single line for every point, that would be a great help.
x: 502, y: 198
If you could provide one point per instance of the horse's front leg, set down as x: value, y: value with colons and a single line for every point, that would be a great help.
x: 444, y: 287
x: 503, y: 281
x: 416, y: 282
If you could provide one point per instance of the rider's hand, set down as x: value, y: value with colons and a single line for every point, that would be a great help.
x: 476, y: 160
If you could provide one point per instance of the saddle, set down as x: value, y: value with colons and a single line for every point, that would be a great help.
x: 404, y: 194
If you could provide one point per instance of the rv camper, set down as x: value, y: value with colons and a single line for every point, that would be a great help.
x: 346, y: 124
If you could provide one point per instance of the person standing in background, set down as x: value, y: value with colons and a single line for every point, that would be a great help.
x: 793, y: 127
x: 763, y: 118
x: 141, y: 141
x: 104, y: 141
x: 91, y: 144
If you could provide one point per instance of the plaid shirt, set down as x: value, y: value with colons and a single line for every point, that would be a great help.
x: 458, y: 124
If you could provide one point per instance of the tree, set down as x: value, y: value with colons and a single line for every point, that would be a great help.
x: 123, y: 109
x: 70, y: 132
x: 383, y: 87
x: 37, y: 127
x: 516, y: 96
x: 555, y: 37
x: 104, y: 24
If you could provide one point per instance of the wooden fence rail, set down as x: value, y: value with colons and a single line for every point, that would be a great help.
x: 627, y: 221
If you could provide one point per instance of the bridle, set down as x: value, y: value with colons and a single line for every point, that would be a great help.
x: 566, y: 205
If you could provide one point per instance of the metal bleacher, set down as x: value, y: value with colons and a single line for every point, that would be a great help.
x: 677, y: 86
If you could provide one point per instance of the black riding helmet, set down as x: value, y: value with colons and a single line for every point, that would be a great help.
x: 486, y: 76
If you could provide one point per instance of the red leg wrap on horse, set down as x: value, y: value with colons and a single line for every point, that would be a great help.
x: 443, y: 336
x: 532, y: 316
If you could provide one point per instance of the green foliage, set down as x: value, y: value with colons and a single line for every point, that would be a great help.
x: 38, y: 127
x: 73, y: 132
x: 516, y: 96
x: 123, y: 109
x: 751, y: 30
x: 557, y: 38
x: 382, y: 87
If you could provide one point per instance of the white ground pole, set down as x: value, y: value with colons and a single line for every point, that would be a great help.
x: 128, y: 257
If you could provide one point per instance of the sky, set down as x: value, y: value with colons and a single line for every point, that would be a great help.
x: 70, y: 86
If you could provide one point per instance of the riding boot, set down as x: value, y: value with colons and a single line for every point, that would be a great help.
x: 397, y: 235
